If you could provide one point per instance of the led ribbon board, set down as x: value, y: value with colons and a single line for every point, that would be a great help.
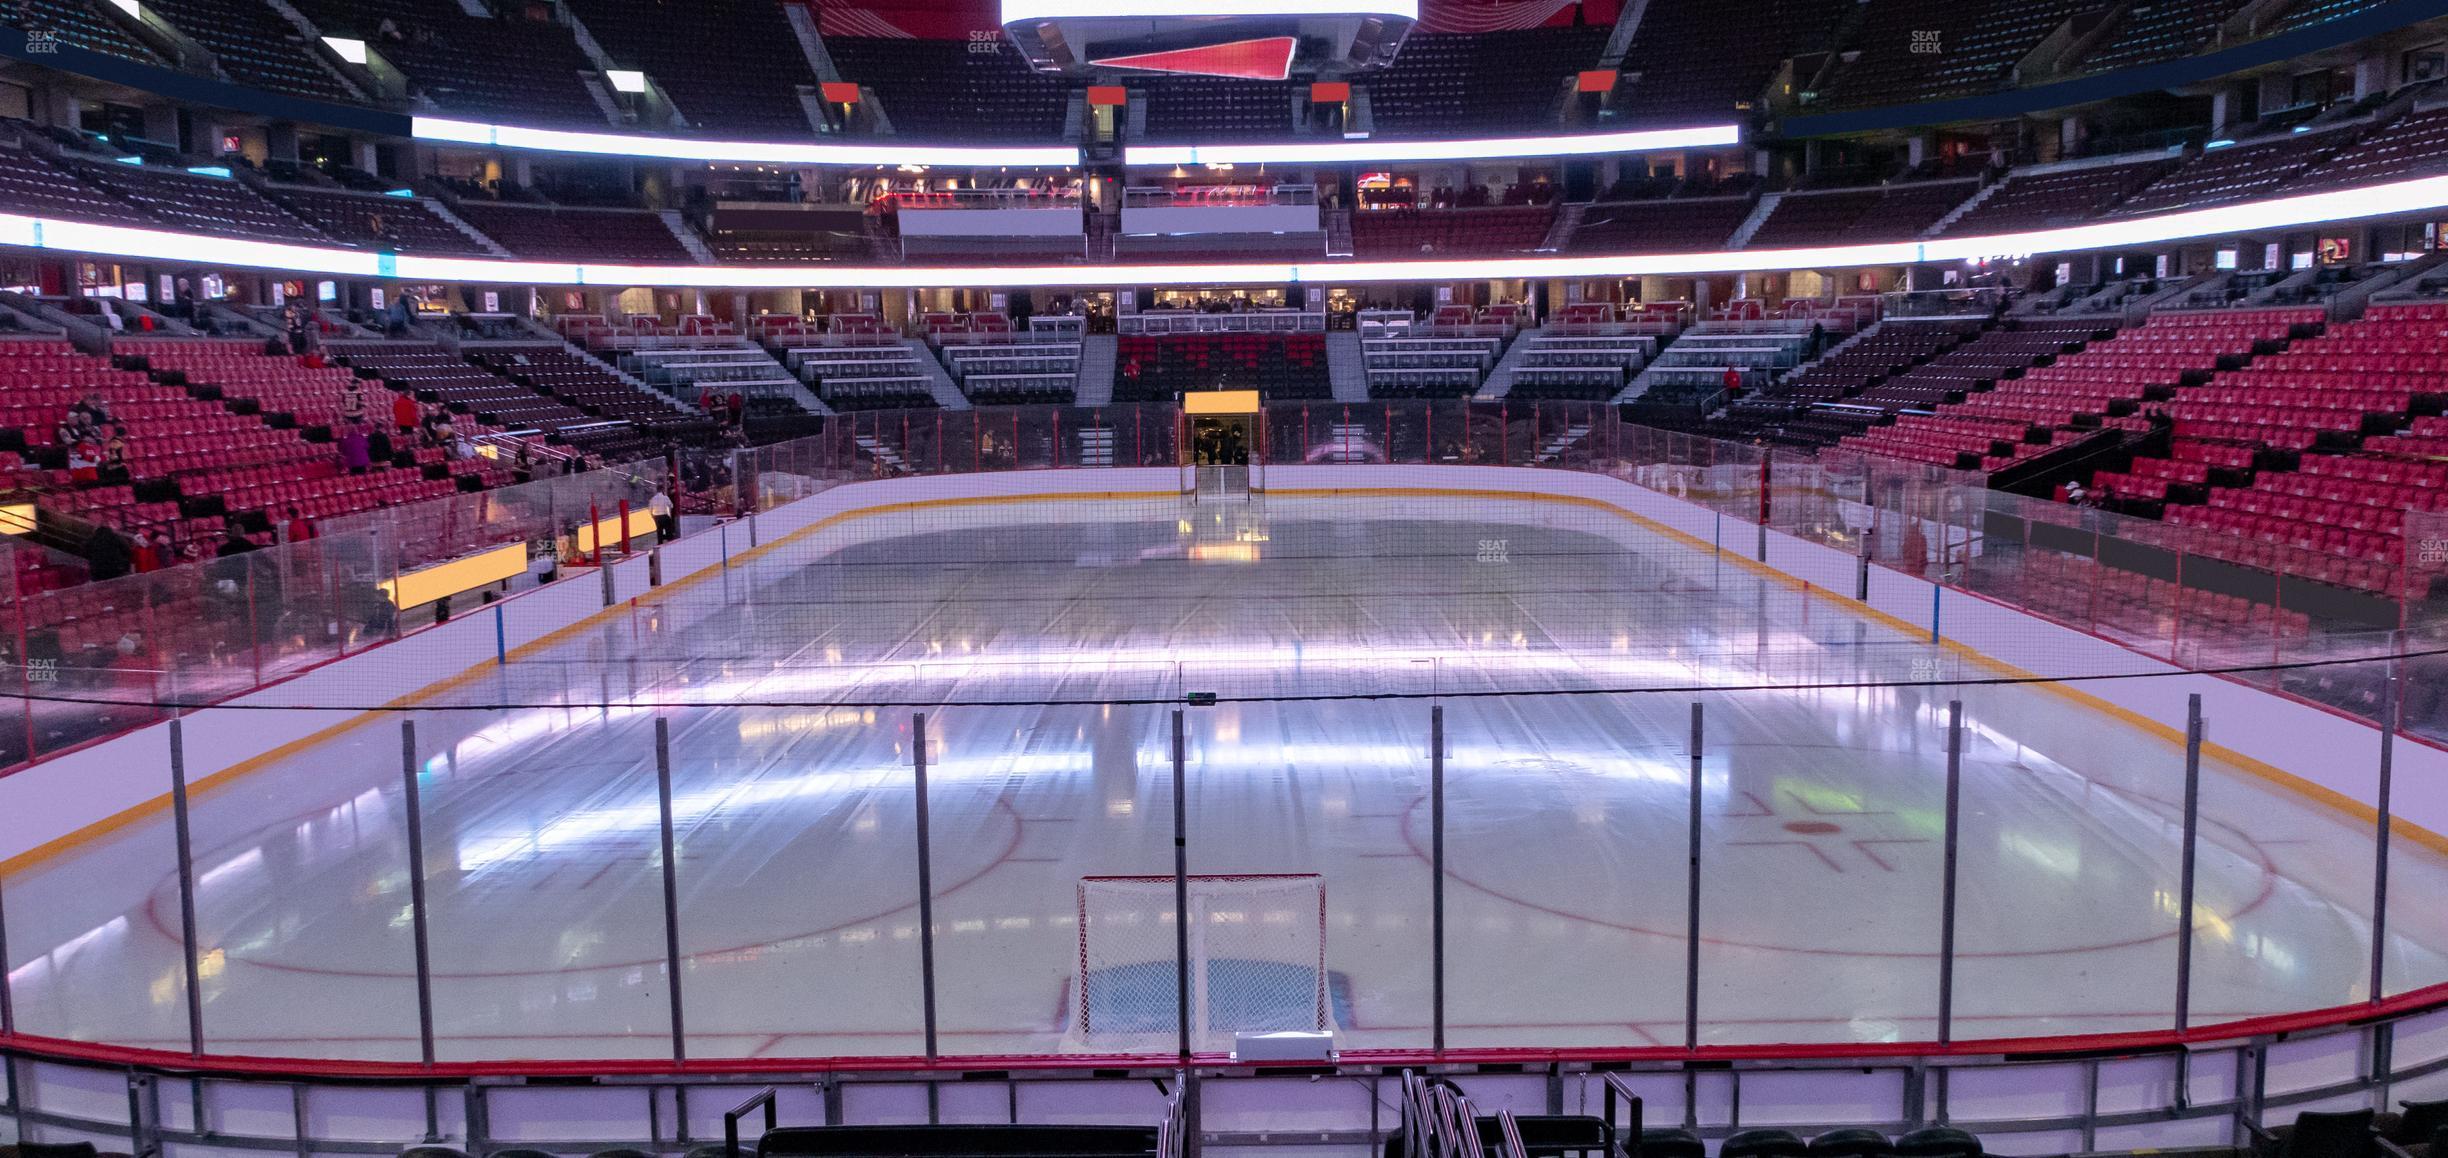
x: 883, y: 154
x: 2259, y: 217
x: 1462, y: 149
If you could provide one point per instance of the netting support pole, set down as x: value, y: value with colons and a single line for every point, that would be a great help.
x: 1861, y: 566
x: 1436, y: 869
x: 412, y: 806
x: 1946, y: 910
x: 671, y: 897
x: 2191, y: 853
x: 254, y: 634
x: 2381, y: 824
x: 1181, y: 892
x: 8, y: 1005
x: 926, y: 882
x: 25, y: 689
x: 1691, y: 899
x: 1764, y: 496
x: 186, y: 880
x: 1191, y: 1146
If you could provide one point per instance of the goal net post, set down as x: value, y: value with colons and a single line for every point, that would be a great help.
x: 1256, y: 954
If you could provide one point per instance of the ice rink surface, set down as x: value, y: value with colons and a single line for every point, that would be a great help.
x: 1566, y: 813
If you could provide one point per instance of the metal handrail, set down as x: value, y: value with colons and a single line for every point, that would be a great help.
x: 731, y: 1119
x: 1510, y: 1131
x: 1616, y: 1088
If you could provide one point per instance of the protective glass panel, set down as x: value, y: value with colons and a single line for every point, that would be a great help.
x: 543, y: 878
x: 1308, y: 830
x: 1027, y: 802
x: 798, y: 881
x: 95, y: 952
x: 1821, y: 860
x: 303, y: 915
x: 2076, y: 815
x: 1566, y: 838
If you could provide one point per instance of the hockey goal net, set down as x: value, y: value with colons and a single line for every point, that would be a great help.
x: 1257, y: 956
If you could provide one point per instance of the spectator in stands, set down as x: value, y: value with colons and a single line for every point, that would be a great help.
x: 1733, y: 381
x: 2076, y: 494
x: 106, y: 554
x: 114, y: 466
x: 404, y: 413
x: 522, y: 468
x: 660, y: 506
x: 352, y: 403
x: 93, y: 411
x: 739, y: 407
x: 297, y: 530
x: 249, y: 594
x: 355, y: 455
x: 183, y: 303
x: 152, y: 551
x: 463, y: 448
x: 85, y: 458
x: 300, y: 321
x: 379, y: 447
x: 131, y: 654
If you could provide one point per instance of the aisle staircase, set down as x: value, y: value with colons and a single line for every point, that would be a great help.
x: 1346, y: 368
x: 1345, y: 442
x: 474, y: 235
x: 1096, y: 370
x: 1552, y: 446
x: 947, y: 393
x: 1559, y: 233
x: 1759, y: 217
x: 1639, y: 384
x: 1849, y: 342
x: 1970, y: 203
x: 1499, y: 380
x: 687, y: 237
x: 883, y: 452
x: 1096, y: 446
